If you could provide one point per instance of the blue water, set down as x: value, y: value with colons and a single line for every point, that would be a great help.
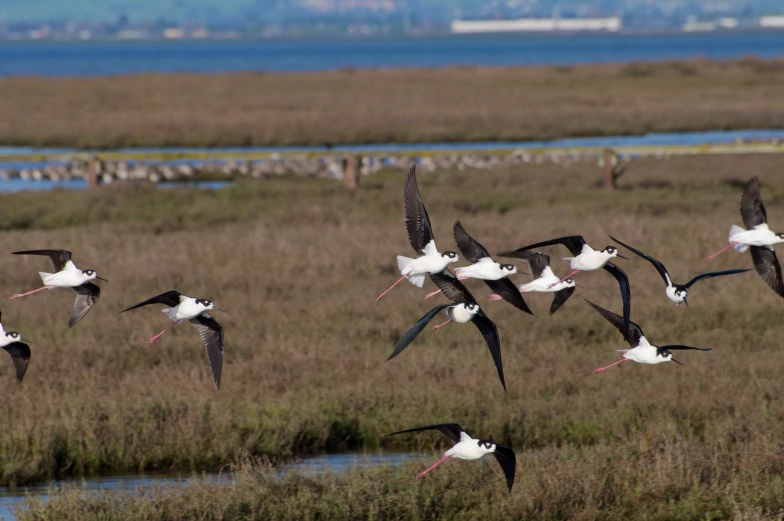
x: 125, y: 57
x: 11, y: 498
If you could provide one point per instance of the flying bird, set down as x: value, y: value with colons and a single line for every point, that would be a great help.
x: 641, y: 352
x: 464, y: 309
x: 758, y: 237
x: 195, y: 311
x: 67, y: 275
x: 544, y: 280
x: 11, y: 341
x: 676, y: 292
x: 469, y: 448
x: 420, y: 235
x: 587, y: 259
x: 483, y: 267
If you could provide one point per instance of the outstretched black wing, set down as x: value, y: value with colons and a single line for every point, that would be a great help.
x: 508, y: 461
x: 451, y: 430
x: 751, y: 208
x: 536, y: 260
x: 626, y: 293
x: 713, y: 274
x: 20, y: 356
x: 469, y: 247
x: 58, y: 258
x: 417, y: 222
x: 574, y: 243
x: 560, y: 298
x: 656, y: 264
x: 417, y: 328
x: 509, y: 292
x: 170, y: 298
x: 86, y: 296
x: 490, y: 334
x: 211, y: 334
x: 635, y: 331
x: 768, y: 267
x: 452, y: 288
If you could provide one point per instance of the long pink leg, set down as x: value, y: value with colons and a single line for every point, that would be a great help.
x: 390, y: 288
x: 442, y: 325
x: 20, y: 295
x: 575, y: 272
x: 730, y: 245
x: 609, y: 366
x: 437, y: 463
x: 495, y: 297
x: 153, y: 339
x: 432, y: 293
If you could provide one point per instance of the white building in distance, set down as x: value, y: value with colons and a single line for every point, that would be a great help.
x: 610, y: 24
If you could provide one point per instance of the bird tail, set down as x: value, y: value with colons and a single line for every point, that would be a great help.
x: 735, y: 230
x: 568, y: 259
x: 43, y: 275
x: 417, y: 279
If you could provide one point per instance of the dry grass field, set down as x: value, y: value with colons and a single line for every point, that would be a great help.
x: 297, y: 263
x: 393, y: 105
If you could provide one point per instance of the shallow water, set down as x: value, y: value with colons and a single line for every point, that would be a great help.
x: 11, y: 498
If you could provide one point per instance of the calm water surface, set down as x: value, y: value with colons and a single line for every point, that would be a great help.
x: 129, y: 57
x: 11, y: 498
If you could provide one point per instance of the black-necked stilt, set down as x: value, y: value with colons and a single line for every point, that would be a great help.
x: 420, y: 235
x: 194, y: 310
x: 676, y: 292
x: 587, y: 259
x: 483, y: 267
x: 544, y: 280
x: 469, y: 448
x: 641, y: 352
x: 758, y: 237
x: 67, y: 275
x: 11, y: 341
x: 465, y: 309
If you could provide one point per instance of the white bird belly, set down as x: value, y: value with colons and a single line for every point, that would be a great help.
x: 670, y: 291
x: 755, y: 238
x: 481, y: 270
x: 644, y: 355
x: 540, y: 285
x: 468, y: 450
x: 64, y: 279
x: 461, y: 314
x: 589, y: 261
x: 428, y: 264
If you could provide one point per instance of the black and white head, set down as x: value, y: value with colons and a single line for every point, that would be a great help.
x: 487, y: 446
x: 681, y: 294
x: 509, y: 269
x: 206, y: 304
x: 569, y: 283
x: 612, y: 251
x: 13, y: 336
x: 91, y: 274
x: 780, y: 237
x: 452, y: 256
x: 471, y: 306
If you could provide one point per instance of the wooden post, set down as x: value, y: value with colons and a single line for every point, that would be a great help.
x: 92, y: 172
x: 350, y: 172
x: 609, y: 178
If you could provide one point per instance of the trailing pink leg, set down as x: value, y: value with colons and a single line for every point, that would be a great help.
x: 442, y: 325
x: 432, y: 293
x: 20, y: 295
x: 609, y: 366
x: 153, y: 339
x: 730, y: 245
x: 437, y: 463
x: 575, y: 272
x: 390, y: 288
x: 495, y: 297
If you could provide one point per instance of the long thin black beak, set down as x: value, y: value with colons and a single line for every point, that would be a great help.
x: 579, y: 285
x: 219, y: 309
x: 684, y: 301
x: 101, y: 278
x: 674, y: 360
x: 622, y: 257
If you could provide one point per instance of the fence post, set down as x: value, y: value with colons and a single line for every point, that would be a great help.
x: 92, y: 172
x: 350, y: 172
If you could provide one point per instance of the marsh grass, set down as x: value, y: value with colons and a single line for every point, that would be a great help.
x: 297, y: 263
x: 391, y: 105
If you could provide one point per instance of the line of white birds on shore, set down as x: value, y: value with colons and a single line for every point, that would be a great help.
x: 464, y: 307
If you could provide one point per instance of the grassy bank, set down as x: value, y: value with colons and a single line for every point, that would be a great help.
x: 395, y: 105
x: 297, y: 263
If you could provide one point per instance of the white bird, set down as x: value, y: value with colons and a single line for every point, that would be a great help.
x: 677, y: 292
x: 11, y: 342
x: 468, y: 448
x: 493, y: 273
x: 420, y: 235
x: 67, y: 275
x: 641, y: 352
x: 758, y: 237
x: 544, y: 280
x: 194, y: 310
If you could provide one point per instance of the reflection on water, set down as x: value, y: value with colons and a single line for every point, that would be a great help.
x: 11, y: 498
